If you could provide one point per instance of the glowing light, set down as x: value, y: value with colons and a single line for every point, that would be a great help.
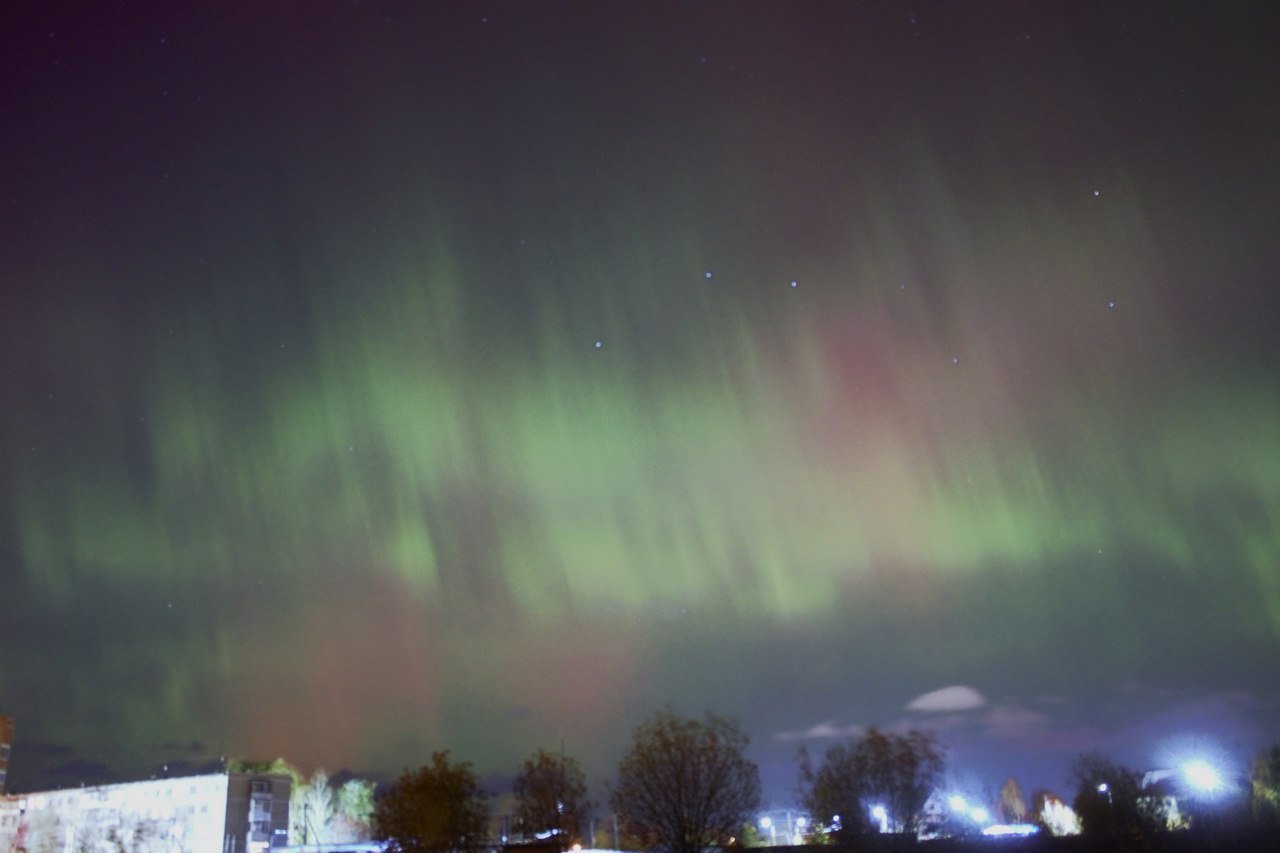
x: 1059, y: 817
x: 958, y: 804
x: 1202, y: 776
x: 1016, y: 830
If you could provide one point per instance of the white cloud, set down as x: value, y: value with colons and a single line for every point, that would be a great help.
x: 823, y: 730
x: 957, y: 697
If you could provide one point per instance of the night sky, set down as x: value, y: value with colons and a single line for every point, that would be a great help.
x: 380, y: 378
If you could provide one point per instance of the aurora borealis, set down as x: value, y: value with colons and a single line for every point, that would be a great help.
x: 382, y: 378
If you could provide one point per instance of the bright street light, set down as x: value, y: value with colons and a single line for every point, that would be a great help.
x: 1202, y: 775
x: 766, y: 822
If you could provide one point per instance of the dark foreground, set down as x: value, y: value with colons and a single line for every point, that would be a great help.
x: 1221, y: 841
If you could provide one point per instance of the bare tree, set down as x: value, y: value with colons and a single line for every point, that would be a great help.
x: 1013, y: 806
x: 833, y: 793
x: 686, y: 784
x: 551, y: 796
x: 438, y: 807
x: 1110, y: 804
x: 317, y: 808
x: 896, y: 772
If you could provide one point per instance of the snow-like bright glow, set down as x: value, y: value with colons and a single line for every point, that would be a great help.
x: 1005, y: 830
x: 1059, y: 817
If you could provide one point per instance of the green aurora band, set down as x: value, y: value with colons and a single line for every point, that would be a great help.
x: 396, y: 451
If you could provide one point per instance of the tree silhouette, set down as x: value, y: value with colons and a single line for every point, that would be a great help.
x: 438, y: 807
x: 551, y: 796
x: 1110, y: 804
x: 686, y: 784
x: 1265, y: 783
x: 898, y: 772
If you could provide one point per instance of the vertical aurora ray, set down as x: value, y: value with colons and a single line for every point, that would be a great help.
x: 411, y: 438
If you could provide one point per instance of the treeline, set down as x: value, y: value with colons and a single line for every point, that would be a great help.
x: 685, y: 785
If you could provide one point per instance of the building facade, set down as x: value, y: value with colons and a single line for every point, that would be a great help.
x: 6, y: 744
x: 228, y: 812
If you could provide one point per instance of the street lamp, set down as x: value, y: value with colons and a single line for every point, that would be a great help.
x: 766, y: 822
x: 798, y: 837
x: 1202, y: 776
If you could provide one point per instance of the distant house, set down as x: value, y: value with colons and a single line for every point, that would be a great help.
x: 231, y: 812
